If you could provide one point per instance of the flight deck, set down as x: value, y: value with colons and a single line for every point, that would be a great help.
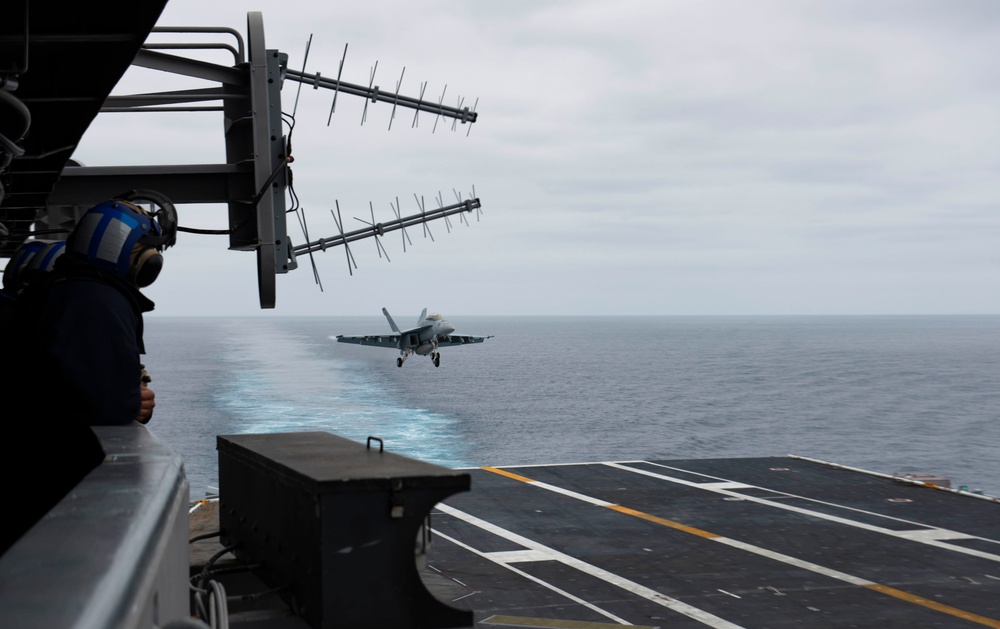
x: 764, y: 542
x: 758, y: 542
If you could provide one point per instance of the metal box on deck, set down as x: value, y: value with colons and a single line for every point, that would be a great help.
x: 335, y: 523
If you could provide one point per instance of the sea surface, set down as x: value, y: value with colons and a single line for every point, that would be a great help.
x: 883, y: 393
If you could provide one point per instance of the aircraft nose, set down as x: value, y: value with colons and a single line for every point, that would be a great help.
x: 448, y: 328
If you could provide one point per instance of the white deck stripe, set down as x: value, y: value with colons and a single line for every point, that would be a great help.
x: 724, y: 485
x: 609, y: 577
x: 792, y: 561
x: 931, y: 538
x: 524, y: 574
x: 931, y: 535
x: 785, y: 493
x: 807, y: 565
x: 519, y: 556
x: 572, y: 494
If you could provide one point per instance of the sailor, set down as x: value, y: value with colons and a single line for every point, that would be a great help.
x: 86, y: 317
x: 32, y: 258
x: 76, y: 347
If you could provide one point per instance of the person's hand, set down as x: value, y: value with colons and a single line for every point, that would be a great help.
x: 147, y: 400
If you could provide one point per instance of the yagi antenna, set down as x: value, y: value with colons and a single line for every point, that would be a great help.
x: 372, y: 94
x: 377, y: 230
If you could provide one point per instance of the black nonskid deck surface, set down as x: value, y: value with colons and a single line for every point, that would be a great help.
x: 770, y: 542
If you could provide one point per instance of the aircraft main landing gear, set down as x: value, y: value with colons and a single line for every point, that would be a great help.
x: 399, y: 362
x: 436, y: 357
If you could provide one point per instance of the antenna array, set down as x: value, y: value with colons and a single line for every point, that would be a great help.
x: 373, y: 94
x: 255, y: 181
x: 377, y: 230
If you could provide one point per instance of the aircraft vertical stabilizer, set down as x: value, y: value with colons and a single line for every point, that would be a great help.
x: 392, y: 324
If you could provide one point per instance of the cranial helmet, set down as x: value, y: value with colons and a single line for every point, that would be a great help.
x: 44, y: 260
x: 14, y: 275
x: 121, y: 237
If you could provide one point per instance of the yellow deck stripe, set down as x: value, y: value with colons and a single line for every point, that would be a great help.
x: 877, y: 587
x: 941, y: 607
x: 665, y: 522
x: 496, y: 470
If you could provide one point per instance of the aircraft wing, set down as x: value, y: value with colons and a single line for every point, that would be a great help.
x: 378, y: 340
x: 458, y: 339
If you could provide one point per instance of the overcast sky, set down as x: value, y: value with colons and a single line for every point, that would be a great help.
x: 632, y: 157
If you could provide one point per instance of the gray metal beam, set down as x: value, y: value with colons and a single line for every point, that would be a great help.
x: 190, y: 67
x: 209, y: 183
x: 132, y: 101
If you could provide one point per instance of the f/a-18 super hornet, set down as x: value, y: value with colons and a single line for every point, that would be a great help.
x: 432, y: 332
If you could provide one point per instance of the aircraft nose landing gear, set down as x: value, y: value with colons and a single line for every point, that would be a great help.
x: 436, y: 357
x: 399, y: 362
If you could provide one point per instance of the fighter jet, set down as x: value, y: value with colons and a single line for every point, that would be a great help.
x: 432, y: 332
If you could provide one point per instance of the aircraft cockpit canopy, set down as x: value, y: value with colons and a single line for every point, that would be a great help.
x: 434, y: 317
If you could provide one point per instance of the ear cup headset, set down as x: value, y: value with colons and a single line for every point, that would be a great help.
x: 122, y: 237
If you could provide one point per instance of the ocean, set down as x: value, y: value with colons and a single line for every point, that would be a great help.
x: 884, y: 393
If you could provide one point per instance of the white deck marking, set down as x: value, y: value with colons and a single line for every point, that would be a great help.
x: 524, y: 574
x: 931, y: 538
x: 789, y: 495
x: 725, y: 485
x: 930, y: 535
x: 776, y: 556
x: 793, y: 561
x: 519, y: 556
x: 608, y: 577
x: 573, y: 494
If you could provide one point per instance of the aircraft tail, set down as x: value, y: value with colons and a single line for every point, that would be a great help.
x: 423, y: 315
x: 392, y: 324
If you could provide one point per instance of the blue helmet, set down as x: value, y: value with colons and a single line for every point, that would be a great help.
x: 45, y: 260
x: 14, y: 275
x: 120, y: 237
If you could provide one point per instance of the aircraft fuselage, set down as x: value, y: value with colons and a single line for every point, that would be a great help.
x: 423, y: 339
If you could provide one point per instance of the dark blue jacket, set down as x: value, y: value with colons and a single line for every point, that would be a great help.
x: 81, y: 337
x: 70, y: 361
